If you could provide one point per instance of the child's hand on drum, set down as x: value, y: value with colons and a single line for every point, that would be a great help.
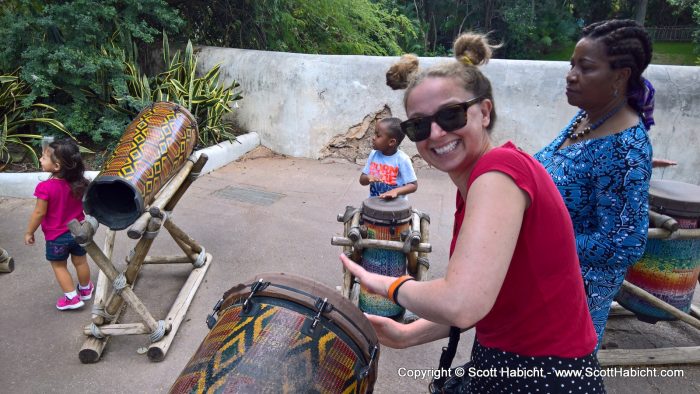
x: 391, y: 194
x: 374, y: 283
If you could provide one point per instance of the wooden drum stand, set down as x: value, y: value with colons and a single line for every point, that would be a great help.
x: 115, y: 288
x: 415, y: 246
x: 658, y: 356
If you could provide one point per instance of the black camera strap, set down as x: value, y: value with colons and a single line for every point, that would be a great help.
x: 448, y: 354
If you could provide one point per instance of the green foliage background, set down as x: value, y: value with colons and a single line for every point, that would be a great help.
x: 84, y: 57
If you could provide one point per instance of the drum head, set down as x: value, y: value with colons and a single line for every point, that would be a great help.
x: 674, y: 198
x: 395, y: 210
x: 306, y: 292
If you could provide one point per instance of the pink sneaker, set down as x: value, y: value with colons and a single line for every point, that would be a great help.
x: 64, y: 303
x: 86, y: 294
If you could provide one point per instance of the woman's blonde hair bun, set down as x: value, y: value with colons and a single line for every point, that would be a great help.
x: 399, y: 74
x: 472, y: 49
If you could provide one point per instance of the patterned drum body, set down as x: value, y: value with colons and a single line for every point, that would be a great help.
x: 153, y: 148
x: 266, y: 341
x: 384, y: 220
x: 669, y: 268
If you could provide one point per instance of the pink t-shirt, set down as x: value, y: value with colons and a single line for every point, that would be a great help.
x: 62, y: 207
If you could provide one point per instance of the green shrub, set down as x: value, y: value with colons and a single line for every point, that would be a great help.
x: 72, y: 54
x: 17, y: 119
x: 204, y: 97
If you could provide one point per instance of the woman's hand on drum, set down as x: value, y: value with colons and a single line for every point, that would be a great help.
x: 374, y: 283
x: 390, y: 332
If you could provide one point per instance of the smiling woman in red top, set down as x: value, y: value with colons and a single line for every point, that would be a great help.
x: 514, y: 272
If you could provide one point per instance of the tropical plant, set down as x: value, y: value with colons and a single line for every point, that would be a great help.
x: 65, y: 51
x: 17, y: 119
x: 204, y: 97
x: 342, y: 27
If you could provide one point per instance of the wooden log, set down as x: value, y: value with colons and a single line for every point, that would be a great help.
x: 661, y: 356
x: 7, y: 263
x: 412, y: 257
x: 158, y: 350
x: 103, y: 286
x: 666, y: 307
x: 192, y: 176
x: 379, y: 244
x: 119, y: 329
x: 618, y: 310
x: 354, y: 230
x: 167, y: 260
x: 106, y: 266
x: 694, y: 311
x: 177, y: 233
x: 137, y: 229
x: 134, y: 265
x: 659, y: 233
x: 662, y: 221
x: 422, y: 270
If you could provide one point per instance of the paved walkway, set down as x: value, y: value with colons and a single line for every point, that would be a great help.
x: 253, y: 216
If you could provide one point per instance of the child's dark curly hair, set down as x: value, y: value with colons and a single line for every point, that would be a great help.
x: 71, y: 167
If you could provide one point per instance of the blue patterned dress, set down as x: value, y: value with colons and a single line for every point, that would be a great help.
x: 605, y: 185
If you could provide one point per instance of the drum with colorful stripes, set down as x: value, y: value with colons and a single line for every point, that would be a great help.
x: 384, y: 220
x: 669, y: 268
x: 281, y: 333
x: 155, y: 145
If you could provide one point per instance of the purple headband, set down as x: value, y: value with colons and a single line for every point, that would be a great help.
x: 642, y: 99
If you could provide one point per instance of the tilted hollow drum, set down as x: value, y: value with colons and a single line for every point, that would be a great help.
x: 153, y: 148
x: 669, y: 268
x: 384, y: 220
x: 284, y: 333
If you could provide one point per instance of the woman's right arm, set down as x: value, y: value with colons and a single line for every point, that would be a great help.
x: 400, y: 336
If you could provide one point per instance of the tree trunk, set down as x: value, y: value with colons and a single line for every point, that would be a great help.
x: 641, y: 11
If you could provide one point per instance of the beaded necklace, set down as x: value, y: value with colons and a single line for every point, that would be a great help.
x: 573, y: 135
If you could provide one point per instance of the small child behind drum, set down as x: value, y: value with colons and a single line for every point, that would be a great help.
x: 388, y: 172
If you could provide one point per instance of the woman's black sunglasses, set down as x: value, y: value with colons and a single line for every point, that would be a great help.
x: 449, y: 119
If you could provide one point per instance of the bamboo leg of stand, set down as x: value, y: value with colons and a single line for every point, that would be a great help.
x: 661, y: 356
x: 135, y: 263
x: 103, y: 286
x: 422, y: 270
x: 176, y: 232
x: 166, y: 193
x: 157, y: 350
x: 666, y: 307
x: 193, y: 175
x: 93, y: 354
x: 347, y: 276
x: 127, y: 293
x: 7, y: 263
x: 169, y: 196
x: 695, y: 311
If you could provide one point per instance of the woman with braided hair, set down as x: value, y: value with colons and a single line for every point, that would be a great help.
x: 602, y: 160
x: 513, y: 273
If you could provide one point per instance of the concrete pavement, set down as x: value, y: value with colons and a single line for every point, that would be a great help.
x: 254, y: 215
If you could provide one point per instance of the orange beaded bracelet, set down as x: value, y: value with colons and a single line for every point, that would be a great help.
x: 394, y: 287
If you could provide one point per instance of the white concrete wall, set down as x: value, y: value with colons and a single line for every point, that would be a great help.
x: 297, y: 103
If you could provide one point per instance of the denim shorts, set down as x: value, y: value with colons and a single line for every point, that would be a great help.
x: 60, y: 248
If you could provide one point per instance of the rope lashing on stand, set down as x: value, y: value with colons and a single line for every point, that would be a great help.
x: 159, y: 332
x: 201, y: 259
x: 119, y: 283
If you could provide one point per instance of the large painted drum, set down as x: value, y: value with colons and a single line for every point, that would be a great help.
x: 281, y: 333
x: 384, y: 220
x: 669, y: 268
x: 153, y: 148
